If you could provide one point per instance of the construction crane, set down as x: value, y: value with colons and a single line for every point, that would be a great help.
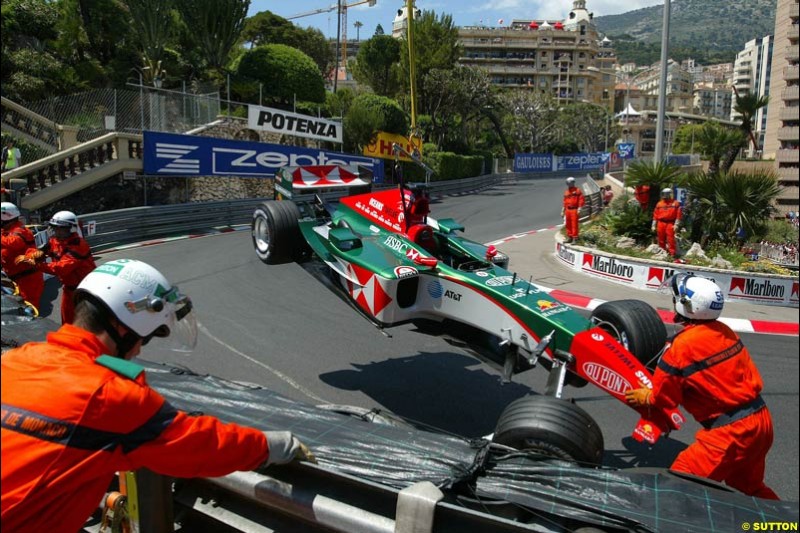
x: 342, y: 14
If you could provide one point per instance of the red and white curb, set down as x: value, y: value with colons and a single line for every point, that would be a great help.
x: 741, y: 325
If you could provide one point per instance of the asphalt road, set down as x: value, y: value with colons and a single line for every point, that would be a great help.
x: 280, y: 327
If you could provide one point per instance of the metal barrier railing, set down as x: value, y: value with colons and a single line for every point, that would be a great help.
x: 113, y: 228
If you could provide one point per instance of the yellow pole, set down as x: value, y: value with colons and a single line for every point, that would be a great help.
x: 411, y: 61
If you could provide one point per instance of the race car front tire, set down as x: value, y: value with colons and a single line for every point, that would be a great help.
x: 636, y: 325
x: 276, y: 232
x: 553, y: 427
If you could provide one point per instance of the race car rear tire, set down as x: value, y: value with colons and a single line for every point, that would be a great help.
x: 636, y: 325
x: 276, y: 232
x: 551, y: 426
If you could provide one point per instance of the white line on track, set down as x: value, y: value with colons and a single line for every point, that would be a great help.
x: 280, y: 375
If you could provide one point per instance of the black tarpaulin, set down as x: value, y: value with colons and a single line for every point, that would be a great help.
x: 538, y: 488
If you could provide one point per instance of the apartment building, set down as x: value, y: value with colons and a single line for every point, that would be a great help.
x: 782, y: 140
x: 566, y: 59
x: 751, y: 75
x: 678, y: 90
x: 712, y: 99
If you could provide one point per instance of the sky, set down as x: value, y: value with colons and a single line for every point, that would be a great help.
x: 464, y: 12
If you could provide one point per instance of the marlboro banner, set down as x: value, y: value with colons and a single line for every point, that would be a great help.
x: 736, y: 286
x: 382, y: 147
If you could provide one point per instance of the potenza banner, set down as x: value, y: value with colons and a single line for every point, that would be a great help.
x: 170, y: 154
x: 280, y: 121
x: 736, y: 287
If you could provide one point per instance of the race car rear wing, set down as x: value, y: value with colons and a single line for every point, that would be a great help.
x: 327, y: 182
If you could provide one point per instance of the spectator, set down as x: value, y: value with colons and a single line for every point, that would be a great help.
x: 642, y: 195
x: 11, y: 157
x: 73, y: 417
x: 17, y: 240
x: 608, y: 195
x: 708, y: 370
x: 71, y: 259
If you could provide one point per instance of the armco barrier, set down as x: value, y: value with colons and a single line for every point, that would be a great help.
x: 113, y: 228
x: 750, y: 287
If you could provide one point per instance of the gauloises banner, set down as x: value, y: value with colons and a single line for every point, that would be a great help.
x: 764, y: 290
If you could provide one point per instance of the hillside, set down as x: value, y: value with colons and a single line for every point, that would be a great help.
x: 708, y: 30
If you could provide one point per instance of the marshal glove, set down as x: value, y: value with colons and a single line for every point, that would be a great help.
x: 285, y: 448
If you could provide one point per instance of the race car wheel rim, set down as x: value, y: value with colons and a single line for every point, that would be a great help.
x: 261, y: 234
x: 608, y: 327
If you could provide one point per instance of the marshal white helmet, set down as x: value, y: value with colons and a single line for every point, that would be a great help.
x: 144, y: 301
x: 666, y: 191
x: 570, y: 181
x: 65, y: 219
x: 9, y: 212
x: 696, y: 298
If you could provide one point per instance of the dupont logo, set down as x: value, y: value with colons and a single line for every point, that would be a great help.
x: 656, y: 276
x: 607, y: 267
x: 751, y: 289
x: 606, y: 378
x: 566, y: 255
x: 175, y: 152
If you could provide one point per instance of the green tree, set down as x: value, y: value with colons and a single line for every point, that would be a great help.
x: 153, y: 23
x: 685, y: 141
x: 266, y: 27
x: 368, y: 114
x: 746, y: 106
x: 358, y: 25
x: 723, y: 202
x: 285, y: 73
x: 587, y: 125
x: 530, y: 120
x: 435, y: 47
x: 217, y: 26
x: 657, y: 175
x: 376, y: 63
x: 716, y: 141
x: 379, y: 30
x: 31, y: 68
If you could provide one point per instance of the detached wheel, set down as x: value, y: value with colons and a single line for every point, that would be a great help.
x: 636, y: 326
x: 276, y: 232
x: 553, y: 427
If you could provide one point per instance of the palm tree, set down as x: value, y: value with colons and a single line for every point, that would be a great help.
x: 656, y: 175
x: 716, y: 141
x: 358, y: 24
x: 747, y: 107
x: 723, y: 202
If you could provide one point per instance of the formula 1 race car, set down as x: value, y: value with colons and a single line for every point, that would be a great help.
x: 397, y: 267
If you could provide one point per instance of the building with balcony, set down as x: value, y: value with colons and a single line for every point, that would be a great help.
x: 751, y: 75
x: 712, y: 99
x: 678, y: 91
x: 566, y: 59
x: 782, y: 140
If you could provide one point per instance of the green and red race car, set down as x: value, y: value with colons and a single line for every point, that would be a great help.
x: 398, y: 268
